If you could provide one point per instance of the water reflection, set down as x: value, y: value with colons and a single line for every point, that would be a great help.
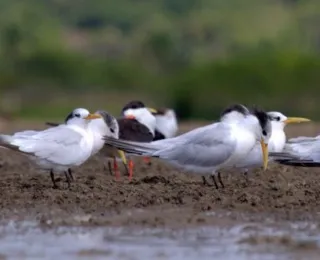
x: 24, y: 240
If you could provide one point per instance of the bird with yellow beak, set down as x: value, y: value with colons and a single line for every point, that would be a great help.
x: 276, y: 142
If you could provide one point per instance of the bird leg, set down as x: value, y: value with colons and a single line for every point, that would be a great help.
x: 127, y: 169
x: 70, y: 174
x: 147, y: 160
x: 109, y: 167
x: 220, y: 180
x: 66, y: 173
x: 116, y: 169
x: 214, y: 181
x: 246, y: 174
x: 53, y: 180
x: 205, y: 182
x: 131, y: 165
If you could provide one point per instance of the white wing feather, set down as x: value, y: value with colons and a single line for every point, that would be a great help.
x: 59, y: 145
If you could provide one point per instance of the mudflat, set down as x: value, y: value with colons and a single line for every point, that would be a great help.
x: 158, y: 195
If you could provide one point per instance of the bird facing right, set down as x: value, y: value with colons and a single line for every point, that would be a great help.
x: 276, y: 143
x: 59, y: 148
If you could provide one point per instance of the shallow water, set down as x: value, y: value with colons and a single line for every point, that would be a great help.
x: 25, y: 240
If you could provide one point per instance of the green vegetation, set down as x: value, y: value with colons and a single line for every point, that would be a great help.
x: 195, y: 55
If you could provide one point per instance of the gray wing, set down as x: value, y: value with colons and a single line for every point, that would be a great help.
x: 305, y: 150
x: 302, y: 139
x: 60, y: 145
x: 204, y: 147
x: 302, y: 153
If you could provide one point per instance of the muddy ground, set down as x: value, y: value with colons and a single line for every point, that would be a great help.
x: 158, y: 195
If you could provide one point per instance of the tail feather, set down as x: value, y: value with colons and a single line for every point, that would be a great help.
x: 141, y: 149
x: 5, y: 142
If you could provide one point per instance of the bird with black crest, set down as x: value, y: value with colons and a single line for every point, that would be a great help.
x: 59, y: 148
x: 107, y: 125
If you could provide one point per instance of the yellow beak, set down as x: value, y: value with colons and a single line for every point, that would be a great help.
x: 122, y: 156
x: 152, y: 110
x: 93, y: 116
x: 265, y: 154
x: 296, y: 120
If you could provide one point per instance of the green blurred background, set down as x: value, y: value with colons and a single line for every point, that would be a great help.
x: 196, y: 56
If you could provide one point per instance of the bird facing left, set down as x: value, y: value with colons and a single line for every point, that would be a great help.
x: 58, y: 148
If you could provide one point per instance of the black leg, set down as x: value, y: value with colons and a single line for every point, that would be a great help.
x: 53, y: 180
x: 214, y: 181
x: 110, y: 168
x: 246, y: 175
x: 70, y: 174
x: 205, y: 182
x: 68, y: 179
x: 126, y: 167
x: 220, y: 180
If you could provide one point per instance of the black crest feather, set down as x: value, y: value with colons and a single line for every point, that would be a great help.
x: 133, y: 105
x: 235, y: 107
x: 261, y: 115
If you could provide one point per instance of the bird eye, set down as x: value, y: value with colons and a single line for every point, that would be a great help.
x: 264, y: 132
x: 77, y: 115
x: 278, y: 118
x: 112, y: 130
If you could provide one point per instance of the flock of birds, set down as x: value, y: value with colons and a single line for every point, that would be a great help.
x: 243, y: 138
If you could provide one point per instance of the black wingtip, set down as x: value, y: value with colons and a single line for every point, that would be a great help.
x: 307, y: 164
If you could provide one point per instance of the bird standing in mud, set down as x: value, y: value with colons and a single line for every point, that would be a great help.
x: 136, y: 124
x: 59, y: 148
x: 231, y: 115
x: 210, y: 148
x: 107, y: 125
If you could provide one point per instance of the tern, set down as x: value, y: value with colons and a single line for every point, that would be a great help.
x: 276, y: 143
x: 210, y: 148
x: 230, y: 115
x: 136, y: 124
x: 59, y: 148
x: 107, y: 125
